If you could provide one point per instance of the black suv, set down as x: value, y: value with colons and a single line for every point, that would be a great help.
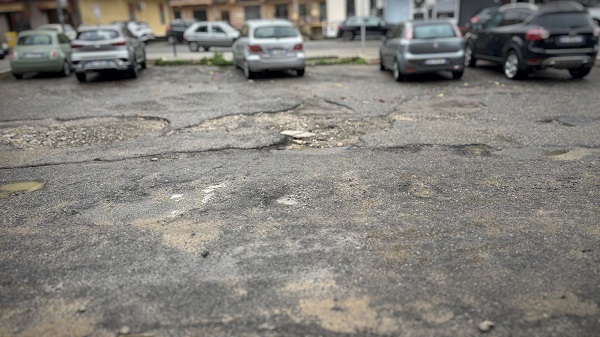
x: 524, y: 37
x: 176, y: 28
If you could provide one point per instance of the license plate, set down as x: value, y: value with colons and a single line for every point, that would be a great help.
x: 433, y: 62
x: 570, y: 39
x: 33, y: 55
x: 278, y: 52
x: 93, y: 64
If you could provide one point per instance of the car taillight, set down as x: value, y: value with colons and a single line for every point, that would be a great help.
x: 457, y: 31
x: 537, y: 34
x: 298, y: 47
x: 254, y: 49
x: 120, y: 43
x: 53, y: 54
x: 408, y: 32
x: 75, y: 46
x: 475, y: 19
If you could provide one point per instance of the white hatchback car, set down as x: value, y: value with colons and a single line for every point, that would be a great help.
x: 266, y: 45
x: 210, y: 34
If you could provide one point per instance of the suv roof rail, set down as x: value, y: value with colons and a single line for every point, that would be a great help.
x: 519, y: 5
x: 573, y: 5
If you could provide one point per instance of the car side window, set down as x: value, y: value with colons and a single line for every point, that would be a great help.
x: 202, y: 29
x: 127, y: 33
x: 217, y: 29
x: 513, y: 17
x: 494, y: 21
x: 62, y: 39
x: 244, y: 31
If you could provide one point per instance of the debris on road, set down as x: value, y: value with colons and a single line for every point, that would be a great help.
x: 486, y: 326
x: 297, y: 133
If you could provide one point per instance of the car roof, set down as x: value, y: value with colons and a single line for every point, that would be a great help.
x: 268, y: 22
x: 115, y: 26
x: 563, y: 6
x: 518, y: 5
x: 37, y: 32
x: 428, y: 21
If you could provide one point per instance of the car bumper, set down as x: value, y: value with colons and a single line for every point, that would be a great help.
x: 560, y: 58
x: 428, y: 63
x: 30, y: 66
x: 260, y: 63
x: 101, y: 61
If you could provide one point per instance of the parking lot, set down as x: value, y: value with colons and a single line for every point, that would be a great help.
x: 185, y: 202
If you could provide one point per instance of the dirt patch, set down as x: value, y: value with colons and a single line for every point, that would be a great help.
x: 436, y: 108
x: 543, y: 306
x: 52, y: 133
x: 188, y: 236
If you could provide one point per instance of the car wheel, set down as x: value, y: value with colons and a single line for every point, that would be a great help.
x: 206, y: 48
x: 347, y: 36
x: 172, y: 39
x: 457, y: 75
x: 381, y: 66
x: 512, y: 66
x: 247, y: 72
x: 18, y: 76
x: 193, y: 46
x: 300, y: 72
x: 397, y: 73
x: 470, y: 59
x: 80, y: 77
x: 66, y: 71
x: 579, y: 72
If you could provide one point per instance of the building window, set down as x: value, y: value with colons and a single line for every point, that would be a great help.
x: 225, y: 16
x: 252, y: 12
x: 302, y: 12
x: 177, y: 14
x: 323, y: 11
x: 161, y: 12
x: 350, y: 11
x: 281, y: 11
x: 200, y: 15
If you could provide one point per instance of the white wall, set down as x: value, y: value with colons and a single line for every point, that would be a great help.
x: 336, y: 14
x: 397, y: 11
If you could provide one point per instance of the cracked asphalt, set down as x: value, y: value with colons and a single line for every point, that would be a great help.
x: 172, y: 205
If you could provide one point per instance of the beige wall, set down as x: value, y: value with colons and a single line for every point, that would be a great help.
x: 114, y: 10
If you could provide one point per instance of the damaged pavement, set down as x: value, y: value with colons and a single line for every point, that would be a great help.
x: 194, y: 202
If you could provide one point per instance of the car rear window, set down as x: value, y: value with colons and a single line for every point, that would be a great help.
x: 98, y: 35
x: 48, y: 28
x: 274, y: 32
x: 30, y: 40
x: 570, y: 20
x: 433, y: 31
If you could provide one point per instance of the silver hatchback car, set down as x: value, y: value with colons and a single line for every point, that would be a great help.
x: 210, y: 34
x: 423, y: 47
x: 266, y: 45
x: 102, y: 48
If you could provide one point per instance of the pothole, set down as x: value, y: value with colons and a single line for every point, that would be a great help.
x: 568, y: 121
x: 20, y: 187
x: 440, y: 108
x: 52, y: 133
x: 474, y: 150
x: 575, y: 154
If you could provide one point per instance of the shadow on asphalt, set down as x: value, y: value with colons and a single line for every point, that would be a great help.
x: 538, y: 75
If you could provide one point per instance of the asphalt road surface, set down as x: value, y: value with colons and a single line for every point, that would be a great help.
x: 172, y: 204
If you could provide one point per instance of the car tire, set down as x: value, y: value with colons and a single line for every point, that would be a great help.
x: 457, y: 75
x: 470, y: 60
x: 397, y: 73
x: 80, y: 77
x: 18, y: 76
x: 578, y: 73
x: 512, y: 66
x: 347, y: 36
x: 300, y: 72
x: 381, y: 66
x: 247, y: 72
x: 172, y: 39
x: 133, y: 70
x: 206, y: 48
x: 66, y: 71
x: 194, y: 47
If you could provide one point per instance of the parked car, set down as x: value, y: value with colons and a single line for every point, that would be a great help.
x: 524, y: 38
x: 595, y: 13
x: 110, y: 47
x: 210, y: 34
x: 3, y: 50
x: 138, y: 28
x: 176, y: 29
x: 41, y: 51
x: 481, y: 16
x: 266, y: 45
x: 69, y: 31
x: 423, y: 47
x: 351, y: 27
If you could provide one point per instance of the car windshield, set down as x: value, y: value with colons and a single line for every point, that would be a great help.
x: 433, y: 31
x: 48, y: 28
x: 570, y: 20
x: 274, y: 32
x: 97, y: 35
x: 30, y: 40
